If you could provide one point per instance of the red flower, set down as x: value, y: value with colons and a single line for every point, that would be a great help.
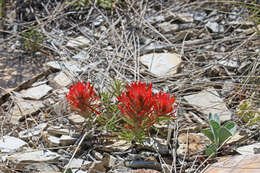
x: 164, y: 105
x: 137, y: 105
x: 83, y: 98
x: 141, y: 108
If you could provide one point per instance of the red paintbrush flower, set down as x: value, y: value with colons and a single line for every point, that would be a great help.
x: 164, y: 105
x: 83, y: 98
x: 137, y: 105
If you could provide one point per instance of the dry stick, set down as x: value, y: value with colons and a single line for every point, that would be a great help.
x: 77, y: 148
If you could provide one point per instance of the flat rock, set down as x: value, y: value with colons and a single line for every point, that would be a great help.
x: 63, y: 79
x: 167, y: 27
x: 10, y: 144
x: 58, y: 131
x: 72, y: 66
x: 78, y: 42
x: 23, y: 108
x: 76, y: 119
x: 78, y: 163
x: 249, y: 149
x: 208, y: 101
x: 36, y: 93
x: 161, y: 64
x: 82, y: 56
x: 66, y: 140
x: 34, y: 157
x: 236, y: 164
x: 192, y: 144
x: 25, y: 134
x: 215, y: 27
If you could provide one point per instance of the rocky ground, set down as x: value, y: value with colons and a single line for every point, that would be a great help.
x: 206, y: 53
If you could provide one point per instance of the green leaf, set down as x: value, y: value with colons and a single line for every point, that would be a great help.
x: 211, y: 149
x: 231, y: 126
x: 224, y: 134
x: 209, y: 134
x: 214, y: 118
x: 214, y: 126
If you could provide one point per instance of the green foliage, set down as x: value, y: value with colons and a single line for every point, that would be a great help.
x: 248, y: 113
x: 109, y: 117
x: 218, y: 134
x: 32, y: 40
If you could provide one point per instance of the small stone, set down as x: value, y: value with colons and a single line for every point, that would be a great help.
x: 76, y: 119
x: 155, y: 19
x: 208, y: 101
x: 72, y: 66
x: 161, y: 64
x: 67, y: 140
x: 58, y: 131
x: 249, y: 149
x: 200, y: 15
x: 82, y: 56
x: 53, y: 141
x: 63, y: 79
x: 33, y: 131
x: 185, y: 17
x: 167, y: 27
x: 78, y: 163
x: 34, y: 156
x: 97, y: 155
x: 23, y: 108
x: 78, y: 42
x: 11, y: 144
x: 192, y: 144
x: 215, y: 27
x: 36, y: 93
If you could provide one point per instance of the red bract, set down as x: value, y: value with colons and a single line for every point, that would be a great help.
x: 164, y: 105
x: 83, y: 98
x: 141, y: 108
x: 137, y: 105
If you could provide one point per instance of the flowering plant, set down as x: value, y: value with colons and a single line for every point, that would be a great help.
x: 83, y: 99
x: 141, y: 108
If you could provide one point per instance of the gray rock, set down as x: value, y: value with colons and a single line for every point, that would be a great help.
x: 208, y: 101
x: 155, y: 19
x: 82, y: 56
x: 161, y: 64
x: 11, y: 144
x: 80, y: 41
x: 58, y: 131
x: 249, y: 149
x: 63, y: 79
x: 185, y: 17
x: 167, y: 27
x: 78, y: 163
x: 36, y: 93
x: 23, y: 108
x: 76, y: 119
x: 199, y: 15
x: 72, y: 66
x: 34, y: 157
x: 33, y: 131
x: 67, y: 140
x: 215, y: 27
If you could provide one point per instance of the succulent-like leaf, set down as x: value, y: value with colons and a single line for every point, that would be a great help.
x: 231, y: 126
x: 224, y: 134
x: 211, y: 149
x: 214, y: 118
x: 209, y: 134
x: 214, y: 126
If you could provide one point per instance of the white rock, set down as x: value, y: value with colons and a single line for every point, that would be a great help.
x: 66, y: 140
x: 63, y: 79
x: 53, y: 141
x: 23, y: 108
x: 58, y: 131
x: 249, y: 149
x: 229, y: 63
x: 78, y: 42
x: 11, y: 144
x: 33, y: 131
x: 78, y: 163
x: 161, y: 64
x: 76, y: 119
x: 215, y: 27
x: 71, y: 66
x: 34, y: 156
x: 39, y: 83
x: 167, y: 27
x: 208, y: 101
x: 82, y: 56
x: 36, y: 93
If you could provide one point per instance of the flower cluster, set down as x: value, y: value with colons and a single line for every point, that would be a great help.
x: 83, y: 99
x: 141, y: 108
